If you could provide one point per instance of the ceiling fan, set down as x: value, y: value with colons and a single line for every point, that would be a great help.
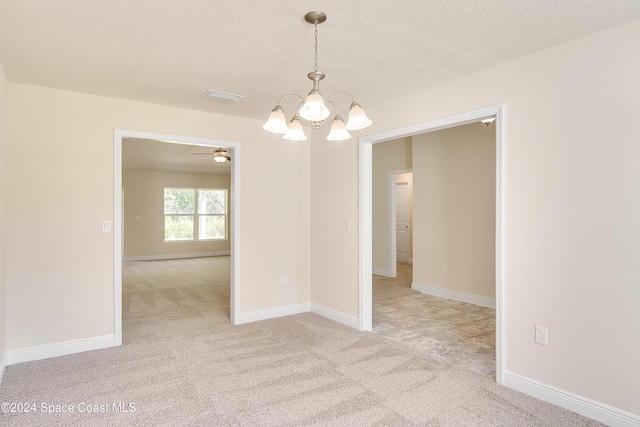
x: 220, y: 155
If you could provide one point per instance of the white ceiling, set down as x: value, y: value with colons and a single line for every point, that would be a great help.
x: 150, y: 155
x: 171, y: 51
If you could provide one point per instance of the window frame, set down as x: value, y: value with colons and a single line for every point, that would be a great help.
x: 196, y: 216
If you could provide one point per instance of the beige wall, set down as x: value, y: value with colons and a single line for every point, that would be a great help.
x: 387, y: 157
x: 60, y: 161
x: 3, y: 180
x: 454, y: 199
x: 334, y: 198
x: 571, y: 217
x: 143, y: 197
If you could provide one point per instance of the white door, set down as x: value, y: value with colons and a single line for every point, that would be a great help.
x: 403, y: 231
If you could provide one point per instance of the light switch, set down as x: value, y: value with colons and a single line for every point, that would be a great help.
x: 106, y: 226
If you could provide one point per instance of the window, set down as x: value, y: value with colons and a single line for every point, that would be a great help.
x: 192, y: 214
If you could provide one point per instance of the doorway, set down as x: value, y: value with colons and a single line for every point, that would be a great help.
x: 233, y: 214
x: 401, y: 202
x: 366, y: 151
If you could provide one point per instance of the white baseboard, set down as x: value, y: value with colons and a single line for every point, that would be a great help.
x: 59, y: 349
x: 336, y: 316
x: 3, y: 366
x: 380, y: 272
x: 581, y: 405
x: 454, y: 295
x: 175, y: 256
x: 271, y: 313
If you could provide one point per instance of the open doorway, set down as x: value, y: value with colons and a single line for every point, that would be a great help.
x: 444, y: 302
x: 401, y: 203
x: 366, y: 217
x: 178, y: 240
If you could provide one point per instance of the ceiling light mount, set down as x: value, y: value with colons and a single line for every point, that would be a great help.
x: 315, y: 17
x: 314, y: 108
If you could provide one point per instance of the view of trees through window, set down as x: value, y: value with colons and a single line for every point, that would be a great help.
x: 191, y: 212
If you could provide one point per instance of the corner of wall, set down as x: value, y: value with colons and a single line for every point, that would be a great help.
x: 3, y: 292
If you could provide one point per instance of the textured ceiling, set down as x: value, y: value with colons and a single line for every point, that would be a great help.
x: 171, y: 51
x: 150, y: 155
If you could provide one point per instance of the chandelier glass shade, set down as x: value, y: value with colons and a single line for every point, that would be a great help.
x: 314, y: 108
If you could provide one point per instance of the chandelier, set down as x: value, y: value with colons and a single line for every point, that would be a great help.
x: 314, y: 108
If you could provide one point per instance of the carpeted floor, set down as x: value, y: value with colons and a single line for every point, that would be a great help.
x: 182, y: 363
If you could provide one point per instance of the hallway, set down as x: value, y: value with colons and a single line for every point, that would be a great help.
x: 450, y: 331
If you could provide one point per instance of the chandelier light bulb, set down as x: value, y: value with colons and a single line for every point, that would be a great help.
x: 357, y: 118
x: 314, y: 109
x: 295, y: 133
x: 277, y: 122
x: 338, y: 132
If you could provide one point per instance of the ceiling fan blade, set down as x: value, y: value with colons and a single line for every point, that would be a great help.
x: 206, y: 157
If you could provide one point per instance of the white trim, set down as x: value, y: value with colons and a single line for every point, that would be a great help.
x: 235, y: 198
x: 176, y: 256
x: 3, y: 366
x: 336, y: 316
x: 118, y: 235
x: 365, y: 244
x: 365, y: 203
x: 581, y: 405
x: 501, y: 319
x: 454, y: 295
x: 385, y: 273
x: 39, y: 352
x: 272, y: 313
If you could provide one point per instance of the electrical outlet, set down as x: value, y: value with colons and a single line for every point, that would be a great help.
x: 347, y: 224
x: 541, y: 335
x: 443, y: 267
x: 285, y: 279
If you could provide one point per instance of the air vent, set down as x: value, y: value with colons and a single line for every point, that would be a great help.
x: 222, y: 96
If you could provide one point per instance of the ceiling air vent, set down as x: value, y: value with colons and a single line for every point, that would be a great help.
x: 222, y: 96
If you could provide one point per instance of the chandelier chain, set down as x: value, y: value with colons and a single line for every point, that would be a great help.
x: 315, y: 46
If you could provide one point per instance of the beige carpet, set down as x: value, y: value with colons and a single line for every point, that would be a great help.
x: 182, y: 363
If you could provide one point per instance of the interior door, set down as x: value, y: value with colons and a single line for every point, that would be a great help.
x: 403, y: 231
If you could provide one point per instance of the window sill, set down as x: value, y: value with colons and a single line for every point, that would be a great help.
x: 193, y: 242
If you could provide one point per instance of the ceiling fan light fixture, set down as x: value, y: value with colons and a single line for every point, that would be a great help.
x: 338, y: 131
x: 221, y: 156
x: 314, y: 108
x: 295, y: 133
x: 357, y: 118
x: 277, y: 122
x: 488, y: 120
